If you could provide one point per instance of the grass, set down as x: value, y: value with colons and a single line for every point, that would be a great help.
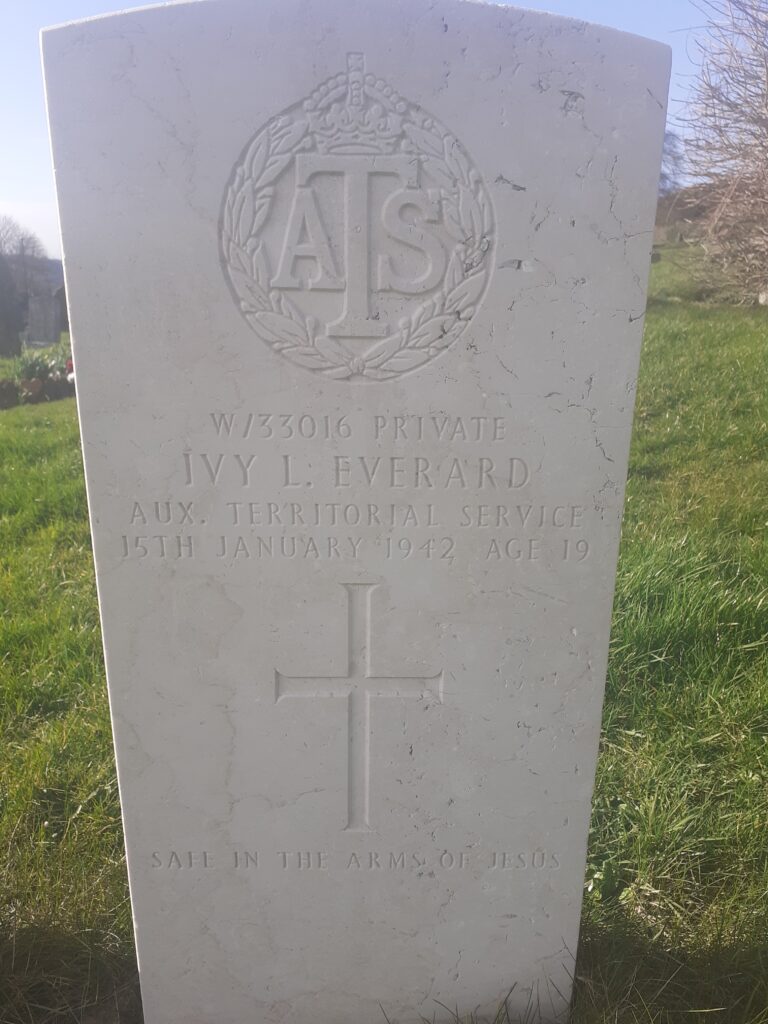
x: 64, y: 919
x: 676, y: 913
x: 675, y: 925
x: 684, y: 274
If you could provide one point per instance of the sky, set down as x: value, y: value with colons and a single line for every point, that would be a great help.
x: 26, y: 179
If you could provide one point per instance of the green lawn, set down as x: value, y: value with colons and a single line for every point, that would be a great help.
x: 676, y: 912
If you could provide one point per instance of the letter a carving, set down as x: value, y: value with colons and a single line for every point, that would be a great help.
x: 306, y: 238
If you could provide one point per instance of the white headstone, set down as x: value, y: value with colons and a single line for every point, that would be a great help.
x: 357, y: 294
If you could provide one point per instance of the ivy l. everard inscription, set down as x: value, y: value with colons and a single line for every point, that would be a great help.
x: 356, y: 297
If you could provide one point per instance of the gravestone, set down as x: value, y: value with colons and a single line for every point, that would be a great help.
x: 357, y: 295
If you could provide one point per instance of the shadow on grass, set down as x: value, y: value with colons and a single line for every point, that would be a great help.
x: 648, y: 471
x: 631, y: 979
x: 49, y: 976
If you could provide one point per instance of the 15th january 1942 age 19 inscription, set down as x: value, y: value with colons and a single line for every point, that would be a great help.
x: 331, y: 502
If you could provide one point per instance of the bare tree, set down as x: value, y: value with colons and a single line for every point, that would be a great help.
x: 20, y: 251
x: 16, y: 240
x: 728, y: 138
x: 671, y: 164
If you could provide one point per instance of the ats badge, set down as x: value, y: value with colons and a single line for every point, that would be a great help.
x: 403, y: 279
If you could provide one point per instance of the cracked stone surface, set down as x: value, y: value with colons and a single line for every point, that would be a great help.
x: 357, y: 295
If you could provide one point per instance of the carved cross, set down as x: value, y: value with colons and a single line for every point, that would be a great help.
x: 357, y: 687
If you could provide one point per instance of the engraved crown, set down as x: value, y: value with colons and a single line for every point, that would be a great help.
x: 355, y: 113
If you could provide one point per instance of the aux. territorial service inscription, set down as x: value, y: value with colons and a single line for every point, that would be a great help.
x: 356, y: 235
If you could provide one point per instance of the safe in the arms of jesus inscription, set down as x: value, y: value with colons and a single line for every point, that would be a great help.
x: 403, y: 279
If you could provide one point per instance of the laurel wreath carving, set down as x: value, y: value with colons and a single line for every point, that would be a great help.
x: 278, y: 321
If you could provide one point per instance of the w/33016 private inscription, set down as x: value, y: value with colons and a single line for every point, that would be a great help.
x: 356, y: 235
